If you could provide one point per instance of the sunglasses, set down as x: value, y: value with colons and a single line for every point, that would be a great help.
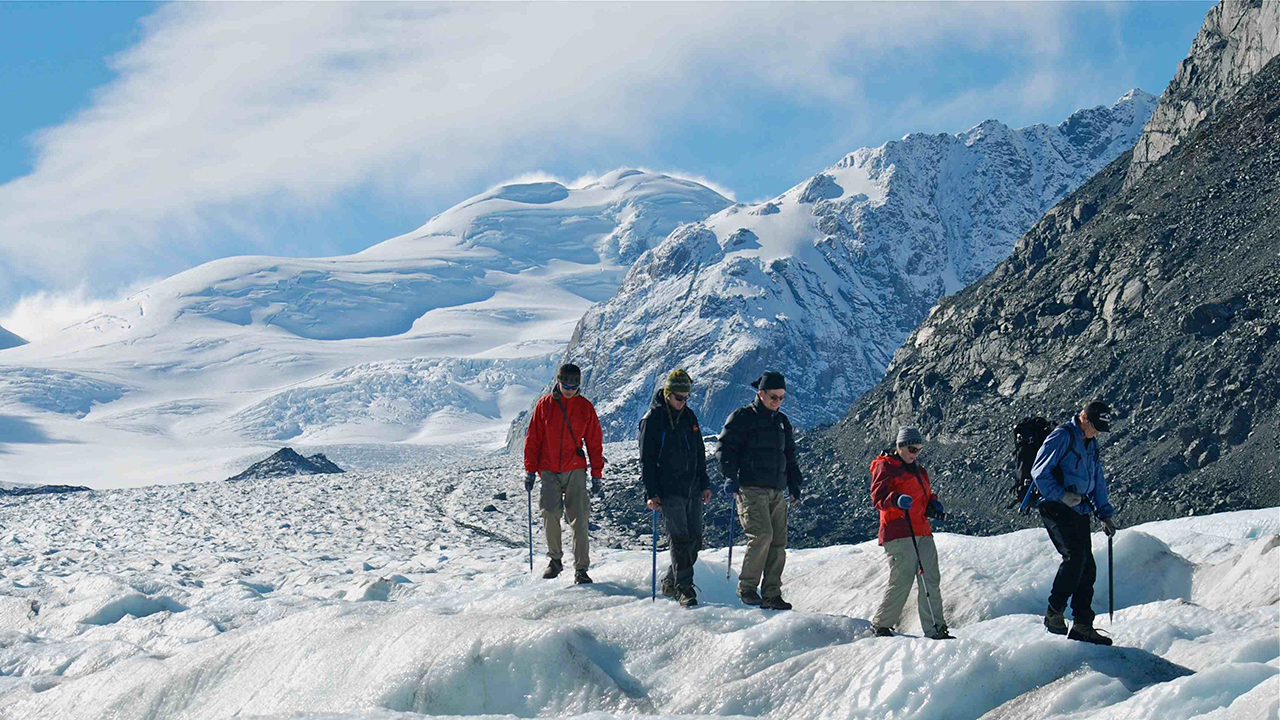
x: 567, y: 386
x: 776, y: 397
x: 913, y: 449
x: 678, y: 397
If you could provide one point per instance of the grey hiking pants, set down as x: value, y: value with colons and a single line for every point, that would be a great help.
x: 566, y: 493
x: 902, y: 577
x: 763, y: 514
x: 684, y: 526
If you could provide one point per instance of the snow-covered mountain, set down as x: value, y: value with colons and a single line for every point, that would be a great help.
x: 8, y: 340
x: 440, y: 335
x: 824, y: 282
x: 381, y: 596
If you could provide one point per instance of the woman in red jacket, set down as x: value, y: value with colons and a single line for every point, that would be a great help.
x: 900, y: 491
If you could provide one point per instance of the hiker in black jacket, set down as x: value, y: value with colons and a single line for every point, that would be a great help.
x: 758, y: 455
x: 673, y: 469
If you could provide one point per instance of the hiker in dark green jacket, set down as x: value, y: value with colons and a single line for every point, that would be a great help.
x: 673, y: 469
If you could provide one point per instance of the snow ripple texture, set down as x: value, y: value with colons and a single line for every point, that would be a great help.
x: 396, y: 595
x: 824, y: 282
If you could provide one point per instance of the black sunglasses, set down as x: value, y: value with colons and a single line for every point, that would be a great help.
x: 678, y: 397
x: 567, y: 386
x: 914, y: 449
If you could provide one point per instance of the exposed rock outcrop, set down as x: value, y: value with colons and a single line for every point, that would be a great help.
x: 1238, y: 38
x: 287, y: 463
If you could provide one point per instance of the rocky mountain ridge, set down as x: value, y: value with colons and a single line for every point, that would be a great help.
x: 1162, y: 297
x: 825, y: 281
x: 1238, y: 38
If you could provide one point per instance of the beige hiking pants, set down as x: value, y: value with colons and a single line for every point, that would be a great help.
x: 566, y: 494
x: 902, y: 577
x: 763, y: 514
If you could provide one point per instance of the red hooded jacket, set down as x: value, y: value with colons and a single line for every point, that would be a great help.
x: 890, y: 478
x: 549, y: 444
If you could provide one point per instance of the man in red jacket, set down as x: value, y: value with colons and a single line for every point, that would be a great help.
x: 901, y: 492
x: 562, y: 422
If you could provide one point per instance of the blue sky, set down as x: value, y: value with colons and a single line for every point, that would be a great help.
x: 141, y: 139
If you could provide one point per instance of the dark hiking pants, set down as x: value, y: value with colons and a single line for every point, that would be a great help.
x: 684, y: 526
x: 1069, y: 531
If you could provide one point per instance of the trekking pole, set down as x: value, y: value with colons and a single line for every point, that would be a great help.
x: 1111, y: 584
x: 530, y: 493
x: 920, y: 569
x: 653, y: 579
x: 729, y: 568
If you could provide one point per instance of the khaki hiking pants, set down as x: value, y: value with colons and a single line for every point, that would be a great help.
x: 902, y: 577
x: 763, y: 514
x: 566, y: 494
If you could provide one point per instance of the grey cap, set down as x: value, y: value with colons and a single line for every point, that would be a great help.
x: 910, y: 436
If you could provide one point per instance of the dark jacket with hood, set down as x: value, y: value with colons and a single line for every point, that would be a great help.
x: 673, y: 459
x: 758, y: 448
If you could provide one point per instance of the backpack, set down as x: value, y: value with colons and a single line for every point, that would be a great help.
x: 1028, y: 435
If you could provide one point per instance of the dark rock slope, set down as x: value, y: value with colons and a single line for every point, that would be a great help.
x: 287, y: 463
x: 1162, y: 297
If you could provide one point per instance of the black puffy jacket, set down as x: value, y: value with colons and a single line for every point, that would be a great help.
x: 673, y: 460
x: 758, y: 447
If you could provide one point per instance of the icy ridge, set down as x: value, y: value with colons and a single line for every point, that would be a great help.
x: 824, y: 282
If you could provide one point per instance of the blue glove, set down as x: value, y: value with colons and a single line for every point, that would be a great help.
x: 935, y: 510
x: 595, y: 486
x: 528, y: 481
x: 904, y: 502
x: 731, y: 487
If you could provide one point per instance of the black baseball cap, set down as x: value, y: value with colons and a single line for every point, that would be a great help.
x: 1098, y: 413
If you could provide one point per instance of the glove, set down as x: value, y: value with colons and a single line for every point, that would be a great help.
x: 934, y: 510
x: 595, y: 486
x: 731, y: 487
x: 528, y: 481
x: 1071, y: 499
x: 903, y: 501
x: 1109, y: 526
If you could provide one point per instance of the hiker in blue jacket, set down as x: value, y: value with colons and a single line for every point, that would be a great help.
x: 1068, y: 475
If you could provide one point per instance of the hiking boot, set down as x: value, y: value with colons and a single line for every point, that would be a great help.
x: 940, y: 633
x: 775, y: 603
x: 580, y: 577
x: 687, y: 596
x: 1086, y: 633
x: 749, y: 596
x: 882, y: 631
x: 553, y: 569
x: 669, y: 588
x: 1055, y: 622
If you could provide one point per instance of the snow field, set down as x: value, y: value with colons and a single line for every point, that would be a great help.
x: 393, y: 594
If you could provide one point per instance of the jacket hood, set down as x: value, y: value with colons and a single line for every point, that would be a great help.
x: 658, y: 400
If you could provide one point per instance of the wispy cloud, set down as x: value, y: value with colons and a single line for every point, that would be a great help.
x: 228, y: 114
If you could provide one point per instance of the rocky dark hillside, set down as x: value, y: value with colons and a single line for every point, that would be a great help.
x: 8, y: 490
x: 1163, y: 298
x: 287, y: 463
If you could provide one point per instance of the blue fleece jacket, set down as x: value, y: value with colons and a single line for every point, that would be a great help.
x: 1065, y: 448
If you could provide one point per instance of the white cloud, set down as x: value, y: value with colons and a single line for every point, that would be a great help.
x: 42, y: 314
x: 228, y: 113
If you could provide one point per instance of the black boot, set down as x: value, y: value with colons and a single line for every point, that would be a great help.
x: 882, y: 631
x: 940, y: 633
x: 749, y: 597
x: 775, y: 603
x: 553, y: 569
x: 1054, y: 621
x: 687, y: 596
x: 580, y: 577
x: 1086, y: 633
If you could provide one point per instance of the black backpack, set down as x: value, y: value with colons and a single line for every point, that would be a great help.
x: 1028, y: 435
